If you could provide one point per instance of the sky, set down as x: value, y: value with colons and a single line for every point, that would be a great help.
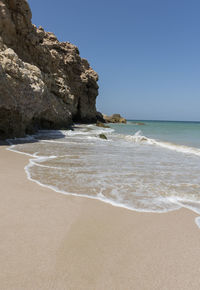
x: 146, y: 52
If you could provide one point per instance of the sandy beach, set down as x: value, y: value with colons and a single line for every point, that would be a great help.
x: 53, y: 241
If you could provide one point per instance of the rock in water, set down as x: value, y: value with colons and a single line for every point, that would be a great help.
x: 115, y: 118
x: 99, y: 124
x: 102, y: 136
x: 44, y: 83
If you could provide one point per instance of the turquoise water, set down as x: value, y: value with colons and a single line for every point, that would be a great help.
x: 183, y: 133
x: 153, y: 167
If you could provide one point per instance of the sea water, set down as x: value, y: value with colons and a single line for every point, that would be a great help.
x: 146, y: 166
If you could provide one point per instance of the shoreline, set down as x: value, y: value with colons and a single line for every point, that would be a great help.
x: 178, y: 202
x: 55, y: 189
x: 54, y: 241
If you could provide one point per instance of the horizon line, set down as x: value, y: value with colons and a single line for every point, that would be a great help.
x: 157, y: 120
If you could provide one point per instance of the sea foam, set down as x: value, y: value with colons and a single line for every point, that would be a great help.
x: 138, y: 138
x: 130, y: 171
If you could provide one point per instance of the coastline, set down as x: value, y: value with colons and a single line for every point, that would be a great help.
x: 54, y: 241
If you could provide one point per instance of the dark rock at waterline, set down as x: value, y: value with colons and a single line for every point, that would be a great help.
x: 100, y: 117
x: 102, y: 136
x: 44, y: 83
x: 100, y: 124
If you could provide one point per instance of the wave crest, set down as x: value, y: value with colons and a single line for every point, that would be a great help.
x: 140, y: 139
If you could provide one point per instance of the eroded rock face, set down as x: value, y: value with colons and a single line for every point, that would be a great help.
x: 115, y: 118
x: 44, y: 83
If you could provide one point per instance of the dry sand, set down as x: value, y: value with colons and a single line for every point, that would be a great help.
x: 53, y: 241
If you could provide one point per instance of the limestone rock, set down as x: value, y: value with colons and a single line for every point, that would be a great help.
x: 44, y: 83
x: 115, y: 118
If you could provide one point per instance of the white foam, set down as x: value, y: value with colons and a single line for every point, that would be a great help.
x: 99, y: 196
x: 190, y: 204
x: 11, y: 148
x: 137, y: 138
x: 177, y: 203
x: 79, y: 132
x: 197, y: 221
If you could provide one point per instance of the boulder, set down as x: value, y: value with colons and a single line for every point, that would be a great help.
x: 102, y: 136
x: 99, y: 124
x: 115, y: 118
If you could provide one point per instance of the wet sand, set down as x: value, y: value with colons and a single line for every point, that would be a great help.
x: 54, y: 241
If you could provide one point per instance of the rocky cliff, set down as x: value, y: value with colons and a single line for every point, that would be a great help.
x: 44, y: 83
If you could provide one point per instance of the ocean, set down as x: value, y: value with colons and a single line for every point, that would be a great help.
x: 149, y: 166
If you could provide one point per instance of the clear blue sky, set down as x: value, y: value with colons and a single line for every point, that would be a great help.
x: 146, y: 52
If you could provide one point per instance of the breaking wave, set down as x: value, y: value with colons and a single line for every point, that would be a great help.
x: 139, y: 138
